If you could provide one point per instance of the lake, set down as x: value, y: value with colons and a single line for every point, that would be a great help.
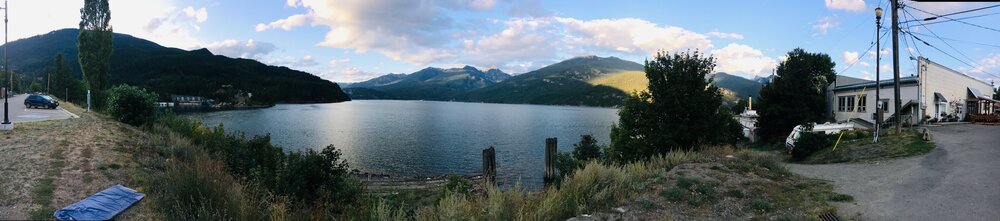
x: 425, y: 138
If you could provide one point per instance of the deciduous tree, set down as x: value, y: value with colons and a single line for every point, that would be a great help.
x: 796, y: 95
x: 681, y: 110
x: 94, y: 44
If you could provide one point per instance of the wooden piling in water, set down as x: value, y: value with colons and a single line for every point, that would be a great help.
x: 550, y: 160
x: 490, y: 165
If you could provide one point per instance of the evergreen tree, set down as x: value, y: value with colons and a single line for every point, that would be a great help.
x: 797, y: 94
x: 60, y: 82
x: 95, y: 45
x: 681, y: 110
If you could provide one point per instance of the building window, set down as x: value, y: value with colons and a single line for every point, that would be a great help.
x: 863, y: 103
x: 841, y: 100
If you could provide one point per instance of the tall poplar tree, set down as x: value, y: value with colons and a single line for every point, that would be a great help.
x: 95, y: 46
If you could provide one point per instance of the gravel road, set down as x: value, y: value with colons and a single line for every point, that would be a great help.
x: 958, y: 180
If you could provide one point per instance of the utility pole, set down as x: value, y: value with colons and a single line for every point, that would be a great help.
x: 878, y: 78
x: 895, y: 61
x: 6, y: 124
x: 48, y: 82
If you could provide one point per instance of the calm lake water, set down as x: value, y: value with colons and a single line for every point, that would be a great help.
x: 425, y: 138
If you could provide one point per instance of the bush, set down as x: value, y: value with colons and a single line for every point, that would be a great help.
x: 313, y: 176
x: 809, y: 143
x: 131, y: 105
x: 586, y: 149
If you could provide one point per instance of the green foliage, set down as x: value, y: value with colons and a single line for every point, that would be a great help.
x: 61, y: 81
x: 837, y: 197
x: 457, y: 184
x: 797, y: 94
x: 131, y: 105
x: 36, y: 87
x: 809, y: 143
x: 681, y: 110
x: 996, y: 94
x: 763, y: 205
x: 95, y: 46
x: 587, y: 149
x: 739, y: 107
x: 674, y: 194
x: 313, y: 176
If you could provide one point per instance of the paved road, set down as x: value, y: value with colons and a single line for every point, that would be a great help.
x: 958, y: 180
x: 19, y: 113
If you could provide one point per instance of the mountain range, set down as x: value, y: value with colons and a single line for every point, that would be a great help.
x: 582, y: 81
x: 168, y: 71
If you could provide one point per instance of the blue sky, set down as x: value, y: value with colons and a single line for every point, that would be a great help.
x: 354, y: 40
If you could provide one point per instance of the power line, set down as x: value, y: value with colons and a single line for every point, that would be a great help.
x: 939, y: 37
x: 953, y: 57
x: 946, y: 43
x: 870, y: 46
x: 957, y: 40
x: 966, y: 11
x: 963, y: 22
x: 958, y: 19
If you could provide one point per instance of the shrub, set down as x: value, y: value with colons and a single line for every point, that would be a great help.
x: 313, y: 176
x: 586, y: 149
x: 131, y: 105
x: 674, y: 194
x: 809, y: 143
x: 762, y: 205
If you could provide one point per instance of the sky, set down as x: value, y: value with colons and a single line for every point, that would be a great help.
x: 355, y: 40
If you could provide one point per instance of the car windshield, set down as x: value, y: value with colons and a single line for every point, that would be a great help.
x: 46, y: 97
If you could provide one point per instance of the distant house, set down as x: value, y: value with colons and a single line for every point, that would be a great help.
x: 936, y: 93
x: 190, y: 101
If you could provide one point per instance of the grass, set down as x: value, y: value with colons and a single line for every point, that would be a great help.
x: 627, y: 81
x: 42, y: 192
x: 42, y: 196
x: 858, y: 149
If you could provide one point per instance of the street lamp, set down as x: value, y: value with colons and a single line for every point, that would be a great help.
x: 6, y: 125
x: 878, y: 80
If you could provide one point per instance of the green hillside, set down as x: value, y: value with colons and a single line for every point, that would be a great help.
x: 169, y: 71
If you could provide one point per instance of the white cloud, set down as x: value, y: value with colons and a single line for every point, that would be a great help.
x: 338, y: 62
x: 724, y: 35
x: 285, y: 23
x: 635, y: 36
x: 866, y: 75
x: 850, y: 57
x: 171, y: 27
x: 737, y: 58
x: 241, y: 49
x: 199, y: 14
x: 848, y: 5
x: 824, y: 24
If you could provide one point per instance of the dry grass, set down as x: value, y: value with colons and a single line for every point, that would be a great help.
x: 48, y: 165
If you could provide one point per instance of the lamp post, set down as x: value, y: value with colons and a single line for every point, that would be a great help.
x: 878, y: 82
x: 6, y: 125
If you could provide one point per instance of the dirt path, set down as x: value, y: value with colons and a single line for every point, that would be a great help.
x: 48, y: 165
x: 958, y: 180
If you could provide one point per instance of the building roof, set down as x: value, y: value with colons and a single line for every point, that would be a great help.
x: 845, y: 80
x: 882, y: 83
x: 939, y: 98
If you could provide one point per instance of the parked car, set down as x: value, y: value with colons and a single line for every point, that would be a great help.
x: 40, y: 101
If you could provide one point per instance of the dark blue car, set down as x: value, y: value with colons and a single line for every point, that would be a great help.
x: 40, y: 101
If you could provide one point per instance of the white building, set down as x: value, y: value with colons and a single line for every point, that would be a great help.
x: 936, y: 93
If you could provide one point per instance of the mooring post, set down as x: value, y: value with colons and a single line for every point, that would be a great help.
x: 550, y: 160
x: 490, y: 165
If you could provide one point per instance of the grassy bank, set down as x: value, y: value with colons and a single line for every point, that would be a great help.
x: 855, y: 148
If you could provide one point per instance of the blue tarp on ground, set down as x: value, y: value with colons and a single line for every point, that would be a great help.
x: 103, y: 205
